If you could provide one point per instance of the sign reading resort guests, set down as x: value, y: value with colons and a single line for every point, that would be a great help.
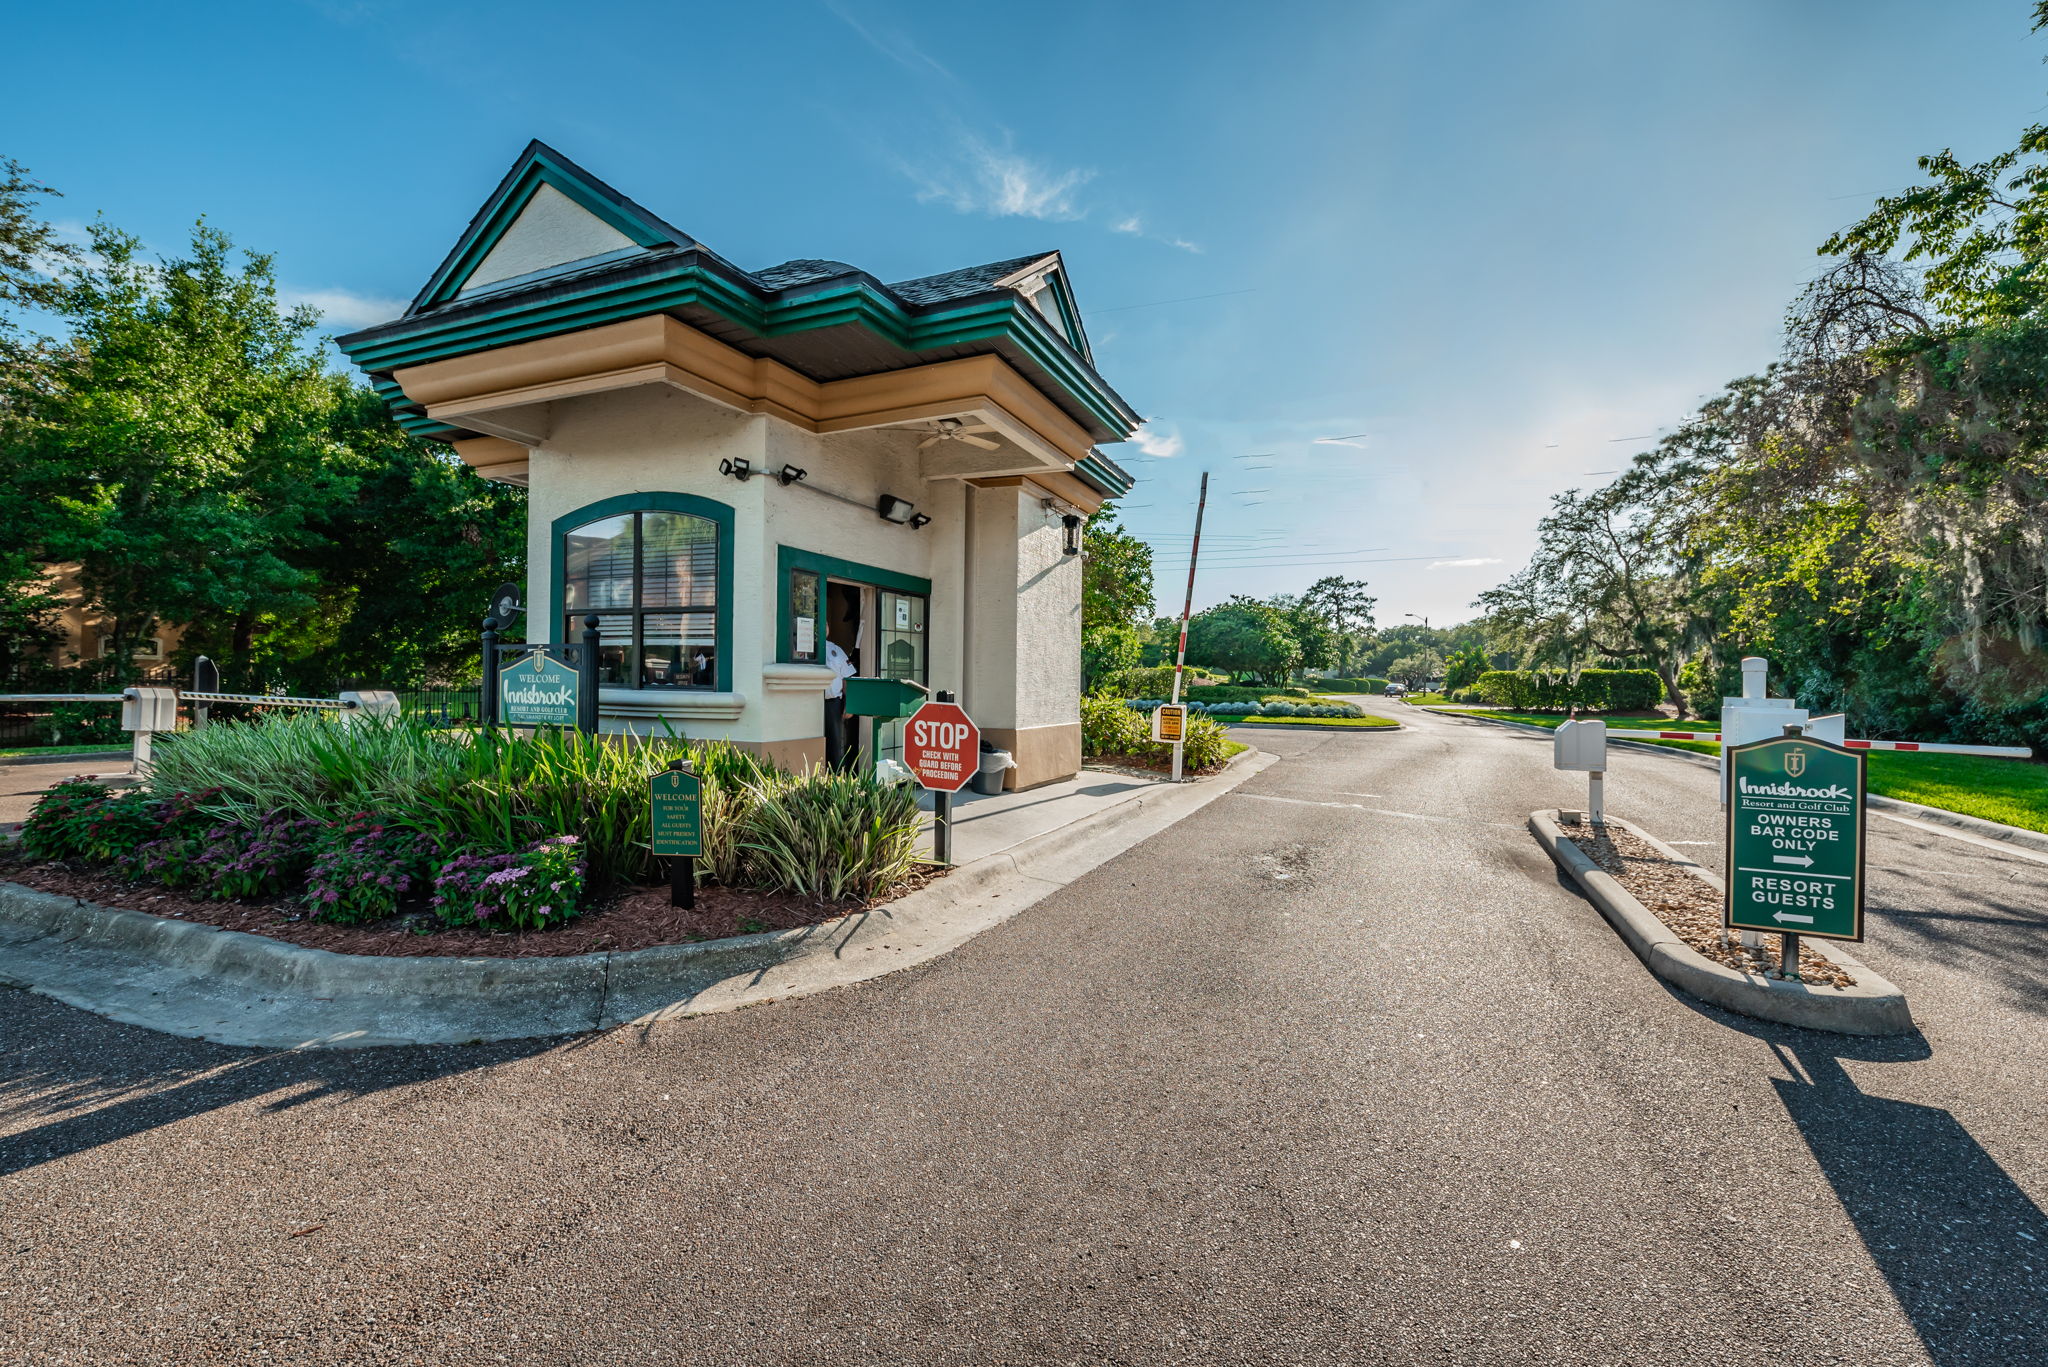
x: 538, y: 690
x: 1795, y: 838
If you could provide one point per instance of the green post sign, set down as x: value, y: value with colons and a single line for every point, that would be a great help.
x: 538, y: 690
x: 1795, y: 838
x: 676, y: 807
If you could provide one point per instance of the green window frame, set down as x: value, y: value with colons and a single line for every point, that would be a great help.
x: 720, y: 514
x: 790, y: 560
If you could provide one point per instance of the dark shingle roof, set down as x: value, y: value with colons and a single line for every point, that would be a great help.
x: 802, y: 272
x: 936, y: 289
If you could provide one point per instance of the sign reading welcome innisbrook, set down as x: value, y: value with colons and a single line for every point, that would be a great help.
x: 1795, y: 838
x: 538, y: 690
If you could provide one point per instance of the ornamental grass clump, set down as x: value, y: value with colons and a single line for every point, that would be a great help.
x: 318, y: 765
x: 367, y: 869
x: 531, y: 889
x: 829, y: 835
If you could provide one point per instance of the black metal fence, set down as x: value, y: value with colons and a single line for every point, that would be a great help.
x: 38, y: 725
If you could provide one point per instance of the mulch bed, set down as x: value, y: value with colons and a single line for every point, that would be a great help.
x: 1691, y: 906
x: 1144, y: 766
x: 630, y: 918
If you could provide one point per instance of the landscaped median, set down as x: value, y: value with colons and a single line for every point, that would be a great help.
x: 1619, y: 866
x: 245, y: 896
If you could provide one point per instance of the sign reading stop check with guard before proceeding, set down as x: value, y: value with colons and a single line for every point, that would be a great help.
x: 942, y: 746
x: 1795, y: 838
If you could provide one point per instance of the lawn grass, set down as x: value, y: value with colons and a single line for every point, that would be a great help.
x: 59, y: 751
x: 2011, y: 791
x: 1367, y: 722
x: 1425, y: 699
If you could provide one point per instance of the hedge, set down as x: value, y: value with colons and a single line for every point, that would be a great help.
x: 1595, y: 690
x: 1336, y: 685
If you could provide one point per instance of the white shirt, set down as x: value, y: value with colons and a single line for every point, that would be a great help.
x: 841, y: 667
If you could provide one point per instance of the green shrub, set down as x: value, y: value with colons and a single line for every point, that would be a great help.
x: 529, y: 889
x: 1596, y: 690
x: 1339, y: 685
x: 312, y: 765
x: 56, y: 826
x: 1205, y: 746
x: 1230, y: 693
x: 830, y: 835
x: 234, y: 861
x: 83, y: 723
x: 1108, y: 727
x: 1157, y: 682
x: 366, y: 869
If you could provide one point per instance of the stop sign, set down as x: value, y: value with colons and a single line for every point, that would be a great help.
x: 942, y: 746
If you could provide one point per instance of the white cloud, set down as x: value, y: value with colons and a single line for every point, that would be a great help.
x: 1162, y: 445
x: 1133, y: 225
x: 1181, y: 243
x: 1358, y: 439
x: 1003, y: 184
x: 896, y: 47
x: 343, y: 308
x: 1466, y: 563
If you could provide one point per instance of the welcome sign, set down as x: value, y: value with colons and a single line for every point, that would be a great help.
x: 1795, y: 838
x: 538, y: 690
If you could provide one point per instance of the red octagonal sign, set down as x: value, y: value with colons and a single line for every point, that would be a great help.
x: 942, y: 746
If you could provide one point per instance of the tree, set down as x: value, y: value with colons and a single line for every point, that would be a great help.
x: 1328, y: 619
x: 27, y: 243
x: 28, y: 620
x: 1464, y: 666
x: 1246, y: 638
x: 1602, y: 583
x: 1413, y: 671
x: 1116, y: 597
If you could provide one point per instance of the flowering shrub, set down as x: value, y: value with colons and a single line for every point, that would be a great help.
x: 56, y: 828
x: 367, y: 869
x: 158, y: 839
x: 235, y: 861
x: 532, y: 889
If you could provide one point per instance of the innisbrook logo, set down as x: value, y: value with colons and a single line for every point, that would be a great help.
x: 1795, y: 763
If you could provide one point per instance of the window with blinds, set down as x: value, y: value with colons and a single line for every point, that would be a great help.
x: 652, y: 580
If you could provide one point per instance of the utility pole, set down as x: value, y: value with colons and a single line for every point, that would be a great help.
x: 1187, y: 607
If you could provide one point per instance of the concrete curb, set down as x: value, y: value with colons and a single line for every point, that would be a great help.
x: 89, y: 757
x: 234, y: 988
x: 1872, y: 1007
x: 1309, y: 726
x: 2016, y: 836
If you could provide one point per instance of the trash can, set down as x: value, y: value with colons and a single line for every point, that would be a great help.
x: 988, y: 781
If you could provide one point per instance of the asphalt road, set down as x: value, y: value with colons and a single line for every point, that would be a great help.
x: 1333, y: 1071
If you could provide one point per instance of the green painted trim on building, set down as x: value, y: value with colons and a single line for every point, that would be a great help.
x: 538, y: 166
x: 1103, y: 476
x: 791, y: 558
x: 684, y: 281
x: 719, y: 513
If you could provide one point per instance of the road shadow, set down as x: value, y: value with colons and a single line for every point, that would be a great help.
x: 78, y: 1081
x: 1962, y: 1246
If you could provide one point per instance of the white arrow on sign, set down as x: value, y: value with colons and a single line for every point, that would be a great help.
x: 1804, y: 861
x: 1783, y: 916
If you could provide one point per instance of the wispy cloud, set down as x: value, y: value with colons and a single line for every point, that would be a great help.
x: 1466, y: 563
x: 895, y: 46
x: 344, y: 308
x: 1358, y: 439
x: 1002, y: 183
x: 1134, y: 225
x: 1162, y: 444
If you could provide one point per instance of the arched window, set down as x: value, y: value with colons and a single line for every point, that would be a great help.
x: 656, y: 578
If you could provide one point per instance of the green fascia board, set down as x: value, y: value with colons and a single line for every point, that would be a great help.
x: 1103, y: 476
x: 540, y: 165
x: 789, y: 559
x: 719, y: 513
x: 684, y: 281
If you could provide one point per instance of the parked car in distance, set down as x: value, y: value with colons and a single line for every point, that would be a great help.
x: 1393, y: 691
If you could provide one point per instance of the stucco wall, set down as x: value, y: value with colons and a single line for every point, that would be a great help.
x: 1048, y: 618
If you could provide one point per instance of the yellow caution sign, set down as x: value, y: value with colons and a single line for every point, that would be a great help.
x: 1170, y: 722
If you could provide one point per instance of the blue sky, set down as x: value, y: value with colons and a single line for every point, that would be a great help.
x: 1482, y: 242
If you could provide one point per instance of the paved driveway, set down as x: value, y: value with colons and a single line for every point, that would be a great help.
x: 1334, y: 1071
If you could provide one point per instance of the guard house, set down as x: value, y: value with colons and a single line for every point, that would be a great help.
x: 732, y: 468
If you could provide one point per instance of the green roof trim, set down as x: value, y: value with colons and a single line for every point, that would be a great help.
x: 1104, y: 474
x: 540, y: 165
x: 684, y: 279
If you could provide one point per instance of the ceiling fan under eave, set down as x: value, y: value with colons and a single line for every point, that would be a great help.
x: 952, y: 429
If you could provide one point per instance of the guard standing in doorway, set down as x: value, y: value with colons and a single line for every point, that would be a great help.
x: 838, y: 754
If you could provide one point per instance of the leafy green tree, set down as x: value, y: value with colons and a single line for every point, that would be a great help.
x: 27, y: 244
x: 1246, y: 638
x: 1463, y: 667
x: 28, y: 621
x: 1116, y: 573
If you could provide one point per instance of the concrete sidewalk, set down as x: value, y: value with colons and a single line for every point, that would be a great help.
x: 983, y: 826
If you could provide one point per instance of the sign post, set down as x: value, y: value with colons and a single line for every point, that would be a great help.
x: 1795, y: 840
x: 675, y: 819
x: 942, y: 747
x: 540, y: 689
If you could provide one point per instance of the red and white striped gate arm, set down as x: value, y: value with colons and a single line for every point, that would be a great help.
x: 1926, y: 747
